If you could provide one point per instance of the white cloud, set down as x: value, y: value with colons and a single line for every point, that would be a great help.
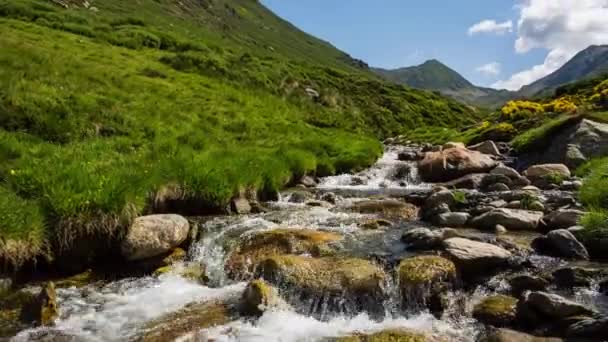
x: 490, y: 69
x: 563, y: 27
x: 491, y: 26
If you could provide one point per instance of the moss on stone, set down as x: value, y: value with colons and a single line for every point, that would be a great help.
x: 259, y: 247
x: 389, y: 208
x: 78, y: 280
x: 393, y: 335
x: 192, y: 318
x: 332, y: 275
x: 424, y: 270
x: 193, y: 271
x: 499, y: 310
x: 257, y: 297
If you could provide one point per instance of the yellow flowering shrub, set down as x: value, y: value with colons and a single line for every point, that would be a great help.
x: 515, y: 110
x: 561, y: 105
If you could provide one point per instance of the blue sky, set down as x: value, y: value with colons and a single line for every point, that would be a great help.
x: 397, y: 33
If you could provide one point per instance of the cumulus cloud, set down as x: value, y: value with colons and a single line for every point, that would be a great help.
x: 563, y: 27
x: 491, y: 26
x: 490, y: 69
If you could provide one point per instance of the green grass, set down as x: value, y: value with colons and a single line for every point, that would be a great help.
x: 105, y: 114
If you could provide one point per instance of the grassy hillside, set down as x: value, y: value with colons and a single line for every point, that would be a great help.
x: 105, y: 111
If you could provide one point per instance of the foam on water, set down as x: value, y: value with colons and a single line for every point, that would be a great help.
x: 379, y: 176
x: 288, y: 326
x: 115, y: 312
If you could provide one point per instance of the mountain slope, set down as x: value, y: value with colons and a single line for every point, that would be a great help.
x: 434, y: 75
x: 127, y: 108
x: 588, y: 63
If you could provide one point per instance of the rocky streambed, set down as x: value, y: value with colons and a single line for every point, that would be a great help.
x: 433, y: 243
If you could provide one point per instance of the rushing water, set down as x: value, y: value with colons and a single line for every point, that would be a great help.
x: 117, y: 311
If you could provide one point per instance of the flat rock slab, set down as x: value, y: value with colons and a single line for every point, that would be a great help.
x: 472, y: 256
x: 512, y: 219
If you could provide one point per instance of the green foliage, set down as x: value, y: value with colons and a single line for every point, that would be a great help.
x: 99, y: 111
x: 594, y: 193
x: 538, y: 136
x: 459, y: 196
x: 527, y: 200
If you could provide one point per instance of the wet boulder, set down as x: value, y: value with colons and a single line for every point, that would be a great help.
x: 393, y: 335
x: 591, y: 328
x: 569, y: 277
x: 476, y: 258
x: 426, y: 239
x: 256, y: 248
x: 43, y: 308
x: 299, y: 196
x: 508, y: 335
x: 346, y: 283
x: 154, y: 235
x: 194, y: 271
x: 187, y: 322
x: 258, y: 297
x: 471, y: 181
x: 526, y: 282
x: 498, y: 311
x: 423, y: 279
x: 452, y: 163
x: 548, y: 306
x: 409, y: 156
x: 512, y: 219
x: 560, y: 243
x: 388, y: 207
x: 438, y: 198
x: 240, y: 205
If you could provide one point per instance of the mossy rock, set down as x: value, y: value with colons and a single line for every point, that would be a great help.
x: 376, y: 224
x: 393, y: 335
x: 423, y: 280
x: 329, y: 274
x: 498, y: 311
x: 43, y: 308
x: 191, y: 318
x: 258, y: 297
x: 424, y: 270
x: 388, y: 207
x: 78, y: 280
x: 176, y: 255
x: 193, y: 270
x: 243, y: 260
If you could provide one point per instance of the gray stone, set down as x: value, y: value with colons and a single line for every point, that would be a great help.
x: 498, y: 203
x: 571, y: 185
x: 508, y: 335
x: 569, y: 277
x: 329, y: 197
x: 574, y: 156
x: 422, y: 239
x: 474, y: 257
x: 512, y: 219
x: 563, y: 244
x: 409, y: 156
x: 471, y: 181
x: 299, y: 196
x: 308, y: 182
x: 595, y: 329
x: 554, y: 306
x: 500, y: 229
x: 453, y: 219
x: 505, y: 171
x: 453, y: 163
x: 563, y: 218
x: 525, y: 282
x: 545, y: 170
x: 240, y: 206
x: 153, y: 235
x: 536, y: 206
x: 486, y: 147
x: 440, y: 197
x: 498, y: 187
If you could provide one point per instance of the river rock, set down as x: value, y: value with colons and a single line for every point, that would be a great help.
x: 409, y: 156
x: 555, y: 306
x: 525, y: 282
x: 547, y: 170
x: 569, y: 277
x: 498, y: 311
x: 471, y: 181
x: 154, y: 235
x: 392, y: 335
x: 422, y: 239
x: 455, y: 220
x: 308, y: 182
x: 486, y: 147
x: 256, y: 248
x: 258, y: 297
x: 505, y: 171
x: 512, y: 219
x: 498, y: 187
x: 240, y: 206
x: 595, y: 329
x: 561, y: 243
x: 563, y: 218
x: 474, y: 257
x: 389, y: 207
x: 343, y: 282
x: 453, y: 163
x: 508, y: 335
x: 329, y: 197
x: 438, y: 198
x: 187, y: 322
x: 493, y: 179
x: 300, y: 196
x: 423, y: 279
x: 42, y: 309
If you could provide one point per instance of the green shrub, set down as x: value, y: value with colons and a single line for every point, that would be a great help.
x: 594, y: 192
